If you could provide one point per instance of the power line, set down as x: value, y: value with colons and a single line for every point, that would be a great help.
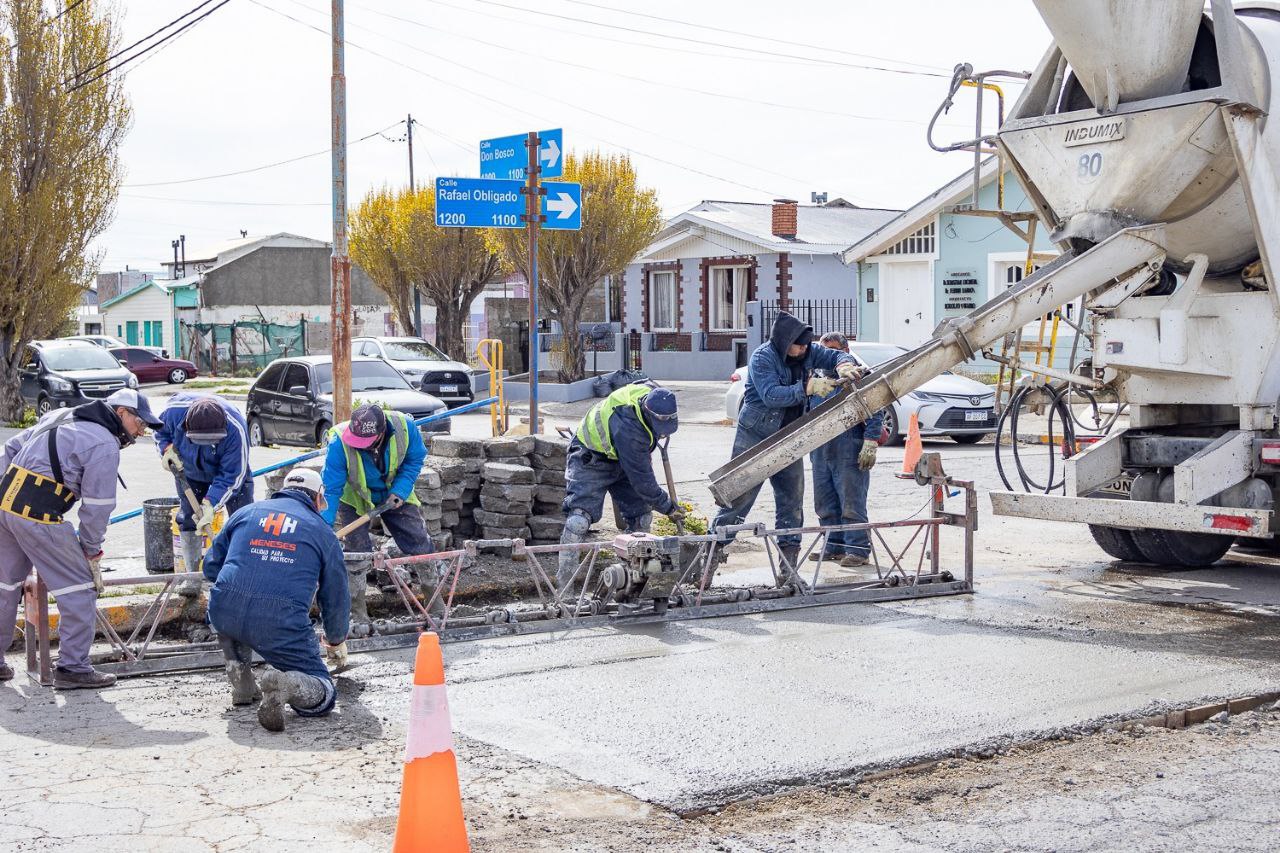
x: 800, y: 57
x: 150, y: 47
x: 221, y: 202
x: 753, y: 35
x: 142, y: 40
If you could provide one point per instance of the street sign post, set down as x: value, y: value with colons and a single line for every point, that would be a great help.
x: 491, y: 203
x: 507, y: 157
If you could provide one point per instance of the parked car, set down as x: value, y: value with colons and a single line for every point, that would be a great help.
x: 948, y: 405
x: 292, y: 400
x: 59, y: 374
x: 149, y: 367
x: 108, y: 342
x: 426, y: 367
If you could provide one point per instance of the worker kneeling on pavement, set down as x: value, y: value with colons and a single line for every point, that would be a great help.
x: 779, y: 384
x: 69, y: 455
x: 204, y: 444
x: 842, y: 477
x: 611, y: 454
x: 268, y: 563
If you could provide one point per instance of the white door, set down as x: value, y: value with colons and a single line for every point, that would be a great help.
x: 906, y: 303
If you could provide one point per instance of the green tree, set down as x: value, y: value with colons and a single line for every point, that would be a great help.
x: 395, y: 239
x: 619, y: 219
x: 60, y: 136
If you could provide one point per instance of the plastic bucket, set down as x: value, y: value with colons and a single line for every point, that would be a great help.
x: 158, y: 544
x: 179, y: 559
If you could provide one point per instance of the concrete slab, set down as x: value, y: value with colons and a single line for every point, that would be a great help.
x: 694, y: 715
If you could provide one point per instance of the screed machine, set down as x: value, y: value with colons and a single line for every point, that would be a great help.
x: 1144, y: 142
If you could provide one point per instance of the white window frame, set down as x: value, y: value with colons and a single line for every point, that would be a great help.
x: 744, y: 281
x: 653, y: 284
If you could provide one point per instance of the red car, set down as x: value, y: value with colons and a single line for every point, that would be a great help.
x: 149, y: 367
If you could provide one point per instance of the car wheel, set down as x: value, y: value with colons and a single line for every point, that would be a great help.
x: 43, y: 406
x: 256, y: 436
x: 891, y: 426
x: 969, y: 438
x: 322, y: 432
x: 177, y: 376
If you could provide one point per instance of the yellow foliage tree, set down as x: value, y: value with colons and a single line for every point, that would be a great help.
x: 395, y: 239
x: 619, y: 218
x: 62, y: 119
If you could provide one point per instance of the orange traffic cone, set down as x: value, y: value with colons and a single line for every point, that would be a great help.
x: 914, y: 448
x: 430, y: 800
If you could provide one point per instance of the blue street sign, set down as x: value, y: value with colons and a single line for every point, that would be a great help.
x: 492, y: 203
x: 507, y: 156
x: 562, y: 206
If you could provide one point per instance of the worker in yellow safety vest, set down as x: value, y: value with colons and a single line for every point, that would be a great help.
x: 610, y: 454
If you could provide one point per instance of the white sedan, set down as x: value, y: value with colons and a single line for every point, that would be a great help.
x: 946, y: 405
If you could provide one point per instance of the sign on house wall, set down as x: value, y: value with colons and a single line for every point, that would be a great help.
x: 959, y: 293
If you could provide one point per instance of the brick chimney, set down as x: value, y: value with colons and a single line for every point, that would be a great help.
x: 784, y: 218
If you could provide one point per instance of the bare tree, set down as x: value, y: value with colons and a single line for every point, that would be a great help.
x: 60, y: 136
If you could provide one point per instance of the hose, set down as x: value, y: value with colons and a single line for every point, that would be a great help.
x: 1058, y: 408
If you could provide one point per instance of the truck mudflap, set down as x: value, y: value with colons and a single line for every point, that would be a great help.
x: 1136, y: 515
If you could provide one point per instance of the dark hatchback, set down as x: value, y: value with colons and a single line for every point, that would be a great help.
x: 292, y: 401
x: 61, y: 374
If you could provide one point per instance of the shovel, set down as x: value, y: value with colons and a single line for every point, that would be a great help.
x: 671, y: 482
x: 363, y: 520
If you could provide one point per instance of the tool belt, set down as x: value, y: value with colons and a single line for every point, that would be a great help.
x: 36, y: 497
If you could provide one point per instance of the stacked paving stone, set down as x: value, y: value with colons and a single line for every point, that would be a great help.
x: 506, y: 496
x: 459, y: 461
x: 548, y: 462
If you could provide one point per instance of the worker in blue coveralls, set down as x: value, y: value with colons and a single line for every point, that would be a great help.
x: 204, y: 439
x: 266, y: 566
x: 611, y: 454
x: 841, y: 478
x: 780, y: 383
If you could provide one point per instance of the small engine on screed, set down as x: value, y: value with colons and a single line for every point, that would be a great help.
x: 649, y: 570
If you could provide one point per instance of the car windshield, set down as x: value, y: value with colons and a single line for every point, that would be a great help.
x: 365, y: 376
x: 874, y: 354
x: 412, y: 351
x: 79, y: 358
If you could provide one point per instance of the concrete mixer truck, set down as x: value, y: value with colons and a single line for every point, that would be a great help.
x: 1144, y: 142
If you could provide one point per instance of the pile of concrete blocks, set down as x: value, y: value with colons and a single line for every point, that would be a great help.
x: 459, y: 461
x: 548, y: 462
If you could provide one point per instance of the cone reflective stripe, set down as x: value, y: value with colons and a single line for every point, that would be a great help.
x: 430, y: 800
x: 914, y: 448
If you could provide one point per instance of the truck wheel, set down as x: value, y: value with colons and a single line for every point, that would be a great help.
x: 1181, y: 550
x: 1117, y: 542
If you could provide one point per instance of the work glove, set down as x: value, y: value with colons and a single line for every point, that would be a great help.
x: 849, y: 370
x: 204, y: 522
x: 867, y: 456
x: 820, y: 386
x: 678, y: 513
x: 395, y: 501
x: 95, y: 568
x: 337, y: 655
x: 171, y: 460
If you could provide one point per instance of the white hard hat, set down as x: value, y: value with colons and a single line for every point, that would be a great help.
x: 304, y: 478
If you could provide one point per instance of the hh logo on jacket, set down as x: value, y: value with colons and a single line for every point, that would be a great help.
x: 278, y: 524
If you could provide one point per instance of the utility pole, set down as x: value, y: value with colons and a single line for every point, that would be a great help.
x: 182, y: 240
x: 417, y: 294
x: 533, y: 219
x: 339, y: 262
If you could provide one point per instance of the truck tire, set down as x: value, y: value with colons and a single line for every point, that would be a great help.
x: 1181, y: 550
x: 1117, y: 542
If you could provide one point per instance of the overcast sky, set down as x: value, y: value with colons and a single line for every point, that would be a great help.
x: 781, y: 111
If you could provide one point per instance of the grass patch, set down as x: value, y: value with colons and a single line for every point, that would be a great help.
x: 28, y: 419
x: 693, y: 524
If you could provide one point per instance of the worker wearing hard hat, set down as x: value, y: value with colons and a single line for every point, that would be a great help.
x: 373, y: 461
x: 70, y: 455
x: 841, y: 479
x: 610, y: 454
x: 780, y: 382
x: 204, y: 441
x: 266, y: 566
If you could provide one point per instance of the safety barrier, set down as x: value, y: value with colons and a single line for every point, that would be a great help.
x: 315, y: 454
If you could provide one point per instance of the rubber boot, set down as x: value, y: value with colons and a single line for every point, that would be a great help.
x: 575, y: 531
x: 244, y: 690
x: 193, y: 556
x: 286, y: 688
x: 358, y: 587
x: 641, y: 524
x: 790, y: 554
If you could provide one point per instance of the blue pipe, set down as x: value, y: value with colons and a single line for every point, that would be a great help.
x: 314, y: 454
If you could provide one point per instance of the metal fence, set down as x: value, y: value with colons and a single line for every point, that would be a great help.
x: 245, y: 345
x: 824, y: 315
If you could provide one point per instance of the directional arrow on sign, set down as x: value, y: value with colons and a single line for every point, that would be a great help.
x: 550, y: 155
x: 562, y: 205
x: 506, y: 157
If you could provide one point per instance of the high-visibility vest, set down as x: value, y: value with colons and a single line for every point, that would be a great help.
x: 356, y: 494
x: 593, y: 432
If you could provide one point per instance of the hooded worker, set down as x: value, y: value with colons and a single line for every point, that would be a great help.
x: 70, y: 455
x: 610, y: 454
x: 204, y: 444
x: 267, y: 565
x: 779, y: 383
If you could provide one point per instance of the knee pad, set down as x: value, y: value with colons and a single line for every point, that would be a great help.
x: 641, y: 524
x: 577, y: 525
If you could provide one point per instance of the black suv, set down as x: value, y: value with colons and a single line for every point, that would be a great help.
x: 292, y: 401
x: 61, y: 374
